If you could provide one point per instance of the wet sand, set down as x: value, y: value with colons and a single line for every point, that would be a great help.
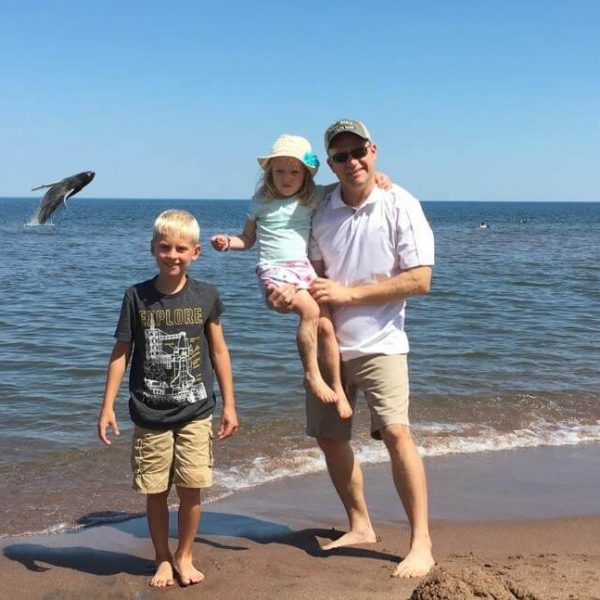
x: 528, y: 520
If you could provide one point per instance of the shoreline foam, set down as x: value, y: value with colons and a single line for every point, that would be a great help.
x: 541, y: 482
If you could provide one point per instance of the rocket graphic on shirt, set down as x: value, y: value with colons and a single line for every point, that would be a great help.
x: 169, y: 360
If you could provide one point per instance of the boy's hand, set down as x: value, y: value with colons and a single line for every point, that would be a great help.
x: 229, y: 424
x: 220, y: 242
x: 107, y: 419
x: 383, y: 181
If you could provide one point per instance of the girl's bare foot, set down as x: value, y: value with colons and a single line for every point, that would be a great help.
x: 316, y: 384
x: 343, y: 406
x: 163, y: 577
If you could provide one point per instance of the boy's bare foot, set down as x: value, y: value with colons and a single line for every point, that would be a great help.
x: 163, y: 577
x: 320, y: 389
x: 352, y: 538
x: 188, y: 574
x: 343, y: 406
x: 417, y: 563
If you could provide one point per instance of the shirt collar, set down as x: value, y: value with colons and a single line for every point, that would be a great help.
x: 337, y: 202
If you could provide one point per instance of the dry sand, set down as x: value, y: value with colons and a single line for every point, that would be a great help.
x: 264, y: 542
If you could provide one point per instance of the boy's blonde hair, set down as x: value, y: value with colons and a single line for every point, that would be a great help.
x: 178, y: 222
x: 266, y: 187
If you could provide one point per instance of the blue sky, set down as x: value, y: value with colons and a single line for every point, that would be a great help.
x: 467, y: 99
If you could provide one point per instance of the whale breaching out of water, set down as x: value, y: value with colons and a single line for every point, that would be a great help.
x: 58, y: 194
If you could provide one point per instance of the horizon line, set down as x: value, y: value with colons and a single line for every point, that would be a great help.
x: 248, y: 199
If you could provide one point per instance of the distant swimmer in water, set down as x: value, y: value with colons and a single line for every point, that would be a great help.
x: 58, y: 194
x: 483, y: 225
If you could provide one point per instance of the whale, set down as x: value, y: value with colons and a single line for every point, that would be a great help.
x: 58, y: 193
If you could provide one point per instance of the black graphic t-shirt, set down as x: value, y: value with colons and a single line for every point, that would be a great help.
x: 171, y: 376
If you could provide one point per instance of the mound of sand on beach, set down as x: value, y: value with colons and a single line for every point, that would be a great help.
x: 471, y: 583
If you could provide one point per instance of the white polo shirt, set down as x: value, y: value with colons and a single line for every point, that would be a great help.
x: 387, y: 234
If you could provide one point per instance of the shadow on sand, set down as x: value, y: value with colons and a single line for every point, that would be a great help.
x: 78, y: 558
x: 228, y: 525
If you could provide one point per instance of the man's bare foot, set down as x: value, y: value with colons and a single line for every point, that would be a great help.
x: 320, y: 389
x: 351, y: 538
x: 417, y: 563
x: 163, y: 577
x: 343, y: 406
x: 188, y: 574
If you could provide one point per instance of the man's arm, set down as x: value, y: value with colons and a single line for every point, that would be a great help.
x: 411, y: 282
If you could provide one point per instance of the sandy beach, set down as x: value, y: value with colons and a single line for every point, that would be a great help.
x: 510, y: 524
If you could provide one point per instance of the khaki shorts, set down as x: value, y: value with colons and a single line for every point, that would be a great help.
x: 384, y: 381
x: 182, y: 455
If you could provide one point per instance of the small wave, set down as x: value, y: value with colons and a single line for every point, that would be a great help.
x: 435, y: 439
x: 543, y: 433
x: 261, y: 469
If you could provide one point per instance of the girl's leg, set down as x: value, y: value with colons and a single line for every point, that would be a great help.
x: 157, y: 512
x: 188, y: 520
x: 329, y: 358
x: 308, y: 311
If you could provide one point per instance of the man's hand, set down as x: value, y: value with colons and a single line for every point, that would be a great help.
x: 280, y: 299
x: 229, y: 424
x: 326, y: 291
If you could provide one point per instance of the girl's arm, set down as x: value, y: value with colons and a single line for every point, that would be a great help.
x: 243, y: 241
x: 221, y: 362
x: 117, y: 366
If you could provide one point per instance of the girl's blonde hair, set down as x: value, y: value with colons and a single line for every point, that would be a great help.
x: 266, y: 187
x: 177, y: 222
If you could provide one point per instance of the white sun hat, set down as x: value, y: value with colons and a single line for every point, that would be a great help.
x: 293, y: 146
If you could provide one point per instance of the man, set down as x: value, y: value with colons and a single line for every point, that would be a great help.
x: 372, y: 248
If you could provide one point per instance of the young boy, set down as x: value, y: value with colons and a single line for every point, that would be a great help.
x: 171, y: 326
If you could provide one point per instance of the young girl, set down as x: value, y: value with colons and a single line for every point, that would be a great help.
x: 279, y: 218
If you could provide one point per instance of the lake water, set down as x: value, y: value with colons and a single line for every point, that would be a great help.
x: 504, y: 351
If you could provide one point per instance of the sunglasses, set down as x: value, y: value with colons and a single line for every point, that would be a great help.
x: 358, y: 153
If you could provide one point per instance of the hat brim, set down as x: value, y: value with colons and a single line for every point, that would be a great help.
x: 263, y: 161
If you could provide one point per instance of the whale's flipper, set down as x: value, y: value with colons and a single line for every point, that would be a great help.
x: 67, y: 195
x: 46, y: 185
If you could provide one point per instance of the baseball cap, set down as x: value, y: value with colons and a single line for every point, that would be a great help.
x: 346, y: 126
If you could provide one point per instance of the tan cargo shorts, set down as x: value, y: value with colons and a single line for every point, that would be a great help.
x: 182, y: 455
x: 383, y: 379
